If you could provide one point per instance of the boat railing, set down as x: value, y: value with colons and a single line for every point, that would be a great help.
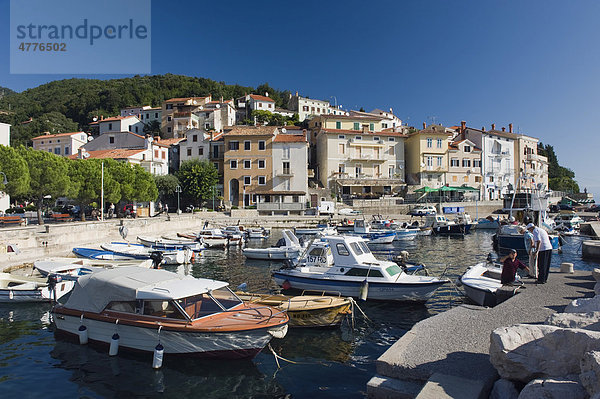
x: 322, y: 293
x: 256, y: 309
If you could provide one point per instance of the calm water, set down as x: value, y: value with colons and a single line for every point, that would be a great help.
x: 332, y: 363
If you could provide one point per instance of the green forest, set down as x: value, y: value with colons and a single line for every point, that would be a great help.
x: 69, y: 105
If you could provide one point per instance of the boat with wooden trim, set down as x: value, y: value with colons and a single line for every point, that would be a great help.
x: 187, y: 316
x: 305, y: 310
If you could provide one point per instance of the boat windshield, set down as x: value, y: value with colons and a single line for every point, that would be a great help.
x: 393, y: 270
x: 365, y: 247
x: 202, y: 305
x: 356, y: 248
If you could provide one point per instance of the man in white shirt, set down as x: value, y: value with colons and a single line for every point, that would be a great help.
x: 543, y: 248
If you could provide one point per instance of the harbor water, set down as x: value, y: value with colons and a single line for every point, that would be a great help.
x: 332, y: 363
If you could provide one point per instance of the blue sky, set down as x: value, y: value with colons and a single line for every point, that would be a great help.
x: 532, y: 63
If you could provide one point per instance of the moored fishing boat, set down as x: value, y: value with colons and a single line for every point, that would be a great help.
x: 440, y: 225
x: 363, y: 229
x: 481, y: 284
x: 125, y: 250
x: 16, y: 288
x: 185, y: 315
x: 305, y: 310
x: 345, y: 265
x: 171, y: 244
x: 258, y: 232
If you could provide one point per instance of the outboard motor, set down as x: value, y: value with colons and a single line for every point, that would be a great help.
x: 157, y: 258
x: 280, y: 242
x: 53, y: 280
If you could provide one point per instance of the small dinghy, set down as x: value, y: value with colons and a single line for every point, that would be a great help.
x: 15, y: 288
x: 258, y: 232
x: 482, y: 284
x: 288, y: 247
x: 138, y: 251
x: 305, y: 310
x: 81, y: 266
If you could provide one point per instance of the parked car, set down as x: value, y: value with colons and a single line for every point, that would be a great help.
x: 348, y: 211
x: 423, y: 210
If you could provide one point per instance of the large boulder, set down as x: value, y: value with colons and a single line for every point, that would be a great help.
x: 525, y: 351
x: 590, y: 372
x: 550, y: 388
x: 504, y: 389
x: 587, y: 321
x: 584, y: 305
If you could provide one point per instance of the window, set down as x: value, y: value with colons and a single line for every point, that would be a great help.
x: 169, y: 106
x: 371, y: 126
x: 233, y: 164
x: 342, y: 148
x: 439, y: 161
x: 356, y: 248
x: 429, y: 142
x: 247, y: 145
x: 430, y: 161
x: 341, y: 249
x: 467, y: 148
x: 247, y: 164
x: 477, y: 163
x: 215, y: 152
x: 161, y: 309
x: 111, y: 139
x: 168, y: 129
x: 67, y: 151
x: 338, y: 125
x: 261, y: 145
x: 477, y: 179
x: 361, y: 272
x: 454, y: 162
x: 200, y: 150
x: 156, y: 154
x: 247, y: 180
x: 341, y: 168
x: 234, y: 145
x: 156, y: 115
x: 57, y: 150
x: 454, y: 179
x: 439, y: 143
x: 358, y: 170
x: 391, y: 171
x: 286, y: 168
x: 270, y: 105
x: 261, y: 164
x: 341, y: 137
x: 216, y: 165
x: 189, y: 152
x: 195, y: 138
x: 286, y: 153
x: 305, y: 108
x: 466, y: 179
x: 391, y: 139
x: 169, y: 119
x: 384, y: 125
x: 375, y: 138
x: 358, y: 138
x: 312, y: 109
x: 466, y: 163
x: 262, y: 180
x: 356, y: 126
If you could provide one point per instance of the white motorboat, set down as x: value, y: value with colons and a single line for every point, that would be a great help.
x: 288, y: 247
x: 440, y: 225
x: 481, y: 283
x: 171, y: 244
x: 125, y: 250
x: 362, y: 229
x: 402, y: 233
x: 187, y: 316
x: 488, y: 223
x: 567, y: 222
x: 346, y: 265
x: 16, y: 288
x: 322, y: 229
x: 79, y: 266
x: 258, y: 232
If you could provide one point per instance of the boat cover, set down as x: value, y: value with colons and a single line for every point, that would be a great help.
x: 94, y: 291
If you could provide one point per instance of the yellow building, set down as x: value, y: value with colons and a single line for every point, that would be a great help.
x: 530, y: 168
x: 427, y: 156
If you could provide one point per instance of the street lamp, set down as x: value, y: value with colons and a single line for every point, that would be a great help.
x: 178, y: 190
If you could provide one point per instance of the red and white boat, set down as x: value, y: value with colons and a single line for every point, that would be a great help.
x: 186, y: 315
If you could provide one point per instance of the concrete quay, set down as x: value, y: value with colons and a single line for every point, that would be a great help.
x: 447, y: 355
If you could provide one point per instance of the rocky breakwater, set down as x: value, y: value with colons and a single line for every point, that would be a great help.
x: 557, y: 359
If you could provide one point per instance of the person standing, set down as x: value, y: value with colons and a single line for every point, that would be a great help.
x: 529, y: 247
x: 543, y: 249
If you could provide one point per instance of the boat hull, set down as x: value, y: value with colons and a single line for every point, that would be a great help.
x: 328, y: 317
x: 270, y: 253
x: 480, y: 296
x: 453, y: 229
x: 40, y: 294
x: 229, y: 345
x: 417, y: 292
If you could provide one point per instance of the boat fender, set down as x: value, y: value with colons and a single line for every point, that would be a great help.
x: 83, y: 333
x: 157, y: 360
x: 458, y: 283
x: 279, y: 332
x: 286, y: 285
x: 11, y: 295
x: 114, y: 345
x: 364, y: 290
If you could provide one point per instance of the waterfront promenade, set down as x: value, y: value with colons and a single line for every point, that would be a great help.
x: 449, y: 352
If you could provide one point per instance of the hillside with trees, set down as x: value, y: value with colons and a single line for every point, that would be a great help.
x: 559, y: 177
x: 70, y: 104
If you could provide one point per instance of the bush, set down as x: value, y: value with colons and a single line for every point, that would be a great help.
x: 234, y: 207
x: 15, y: 210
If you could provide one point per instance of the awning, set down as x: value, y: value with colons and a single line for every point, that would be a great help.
x: 425, y: 190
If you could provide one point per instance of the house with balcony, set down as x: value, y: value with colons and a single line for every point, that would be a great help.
x: 133, y: 148
x: 389, y: 120
x: 64, y: 144
x: 178, y: 115
x: 464, y: 164
x: 355, y: 156
x: 531, y: 168
x: 497, y: 158
x: 260, y: 167
x: 427, y: 156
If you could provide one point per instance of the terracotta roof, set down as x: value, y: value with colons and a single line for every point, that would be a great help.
x: 454, y: 145
x: 289, y: 138
x: 118, y: 153
x: 366, y: 117
x: 117, y: 118
x: 49, y: 136
x: 250, y: 130
x: 217, y: 136
x: 261, y: 98
x: 382, y: 133
x: 178, y: 99
x: 170, y: 142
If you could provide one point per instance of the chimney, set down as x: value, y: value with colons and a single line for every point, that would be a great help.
x: 424, y: 125
x: 296, y: 94
x: 483, y: 128
x: 101, y: 117
x: 493, y: 126
x: 266, y: 94
x: 463, y: 126
x: 221, y: 98
x: 510, y: 128
x: 503, y: 129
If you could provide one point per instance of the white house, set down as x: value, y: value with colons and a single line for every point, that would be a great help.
x: 129, y: 123
x: 64, y: 144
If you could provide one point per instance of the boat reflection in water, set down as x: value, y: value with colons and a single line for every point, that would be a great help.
x: 130, y: 375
